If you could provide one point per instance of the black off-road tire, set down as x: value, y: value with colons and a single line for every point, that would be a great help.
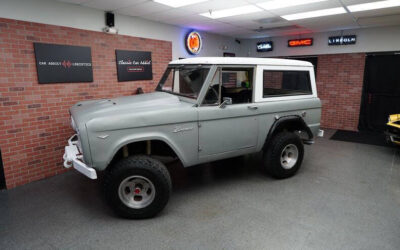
x: 273, y: 152
x: 138, y: 165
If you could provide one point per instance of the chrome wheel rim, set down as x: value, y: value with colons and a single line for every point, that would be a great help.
x: 289, y: 156
x: 136, y: 191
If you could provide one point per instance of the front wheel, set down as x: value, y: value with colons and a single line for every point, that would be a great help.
x: 284, y: 155
x: 137, y: 187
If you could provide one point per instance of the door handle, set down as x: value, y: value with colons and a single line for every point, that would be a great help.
x: 252, y: 107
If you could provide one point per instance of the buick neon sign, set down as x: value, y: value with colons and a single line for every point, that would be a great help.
x: 264, y: 46
x: 300, y: 42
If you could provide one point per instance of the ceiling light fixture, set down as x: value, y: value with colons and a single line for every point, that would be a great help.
x: 279, y: 4
x: 231, y: 12
x: 374, y: 5
x: 317, y: 13
x: 178, y: 3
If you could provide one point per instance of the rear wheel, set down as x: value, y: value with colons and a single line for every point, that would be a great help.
x: 284, y: 155
x: 137, y: 187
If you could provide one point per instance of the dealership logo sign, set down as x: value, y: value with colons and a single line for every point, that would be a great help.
x: 133, y: 65
x: 264, y: 46
x: 193, y: 43
x: 58, y: 63
x: 342, y: 40
x: 300, y: 42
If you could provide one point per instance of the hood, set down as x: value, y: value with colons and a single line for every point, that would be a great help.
x: 87, y: 110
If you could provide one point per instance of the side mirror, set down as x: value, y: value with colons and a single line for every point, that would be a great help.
x: 226, y: 101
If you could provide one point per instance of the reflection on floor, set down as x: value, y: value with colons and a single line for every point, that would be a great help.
x: 346, y: 195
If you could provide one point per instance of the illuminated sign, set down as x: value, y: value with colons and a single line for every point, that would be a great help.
x: 300, y: 42
x: 342, y: 40
x: 264, y: 46
x: 193, y: 43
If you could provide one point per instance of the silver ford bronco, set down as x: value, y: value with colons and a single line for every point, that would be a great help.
x: 203, y: 110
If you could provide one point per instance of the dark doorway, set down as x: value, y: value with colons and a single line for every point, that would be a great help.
x: 381, y: 91
x: 311, y: 59
x: 2, y: 177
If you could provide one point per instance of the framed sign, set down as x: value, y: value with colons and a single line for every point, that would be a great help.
x: 300, y: 42
x: 342, y: 40
x: 194, y: 43
x: 63, y: 63
x: 133, y: 65
x: 264, y: 46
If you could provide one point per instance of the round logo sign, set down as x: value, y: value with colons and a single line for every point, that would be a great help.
x: 193, y: 42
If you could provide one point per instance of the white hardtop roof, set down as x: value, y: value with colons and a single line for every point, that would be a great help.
x: 242, y: 61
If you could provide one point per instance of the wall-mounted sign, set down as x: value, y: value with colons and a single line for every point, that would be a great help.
x: 133, y: 65
x: 264, y: 46
x: 63, y: 63
x: 342, y: 40
x: 193, y: 42
x: 300, y: 42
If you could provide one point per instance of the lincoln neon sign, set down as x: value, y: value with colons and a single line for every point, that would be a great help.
x: 300, y: 42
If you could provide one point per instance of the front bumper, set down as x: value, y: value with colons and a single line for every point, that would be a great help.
x: 72, y: 157
x: 392, y: 137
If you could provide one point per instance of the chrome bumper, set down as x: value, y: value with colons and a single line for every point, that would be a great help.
x: 72, y: 157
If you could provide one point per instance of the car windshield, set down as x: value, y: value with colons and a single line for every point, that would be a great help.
x: 184, y: 80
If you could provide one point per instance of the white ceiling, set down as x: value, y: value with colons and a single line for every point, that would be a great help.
x: 244, y: 26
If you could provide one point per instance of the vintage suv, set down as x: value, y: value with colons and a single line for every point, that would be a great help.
x: 203, y: 110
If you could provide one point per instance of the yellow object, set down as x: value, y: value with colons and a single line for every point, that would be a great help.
x: 394, y: 125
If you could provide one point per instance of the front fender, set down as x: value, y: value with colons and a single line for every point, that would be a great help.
x: 184, y: 144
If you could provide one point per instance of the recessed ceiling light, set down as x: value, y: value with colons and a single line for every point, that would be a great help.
x: 317, y: 13
x: 178, y: 3
x: 374, y: 5
x: 232, y: 12
x: 279, y: 4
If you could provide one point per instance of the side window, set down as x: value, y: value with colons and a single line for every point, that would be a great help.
x: 286, y: 83
x: 237, y: 84
x: 234, y: 83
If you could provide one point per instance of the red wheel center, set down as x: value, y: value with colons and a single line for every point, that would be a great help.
x: 137, y: 190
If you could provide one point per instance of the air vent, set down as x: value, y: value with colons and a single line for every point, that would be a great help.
x: 379, y: 20
x: 270, y: 20
x: 282, y: 28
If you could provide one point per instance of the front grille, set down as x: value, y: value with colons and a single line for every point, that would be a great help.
x: 393, y: 130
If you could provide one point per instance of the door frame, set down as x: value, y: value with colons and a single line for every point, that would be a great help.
x: 364, y: 95
x: 2, y: 176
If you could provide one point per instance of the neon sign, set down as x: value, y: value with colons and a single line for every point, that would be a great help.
x: 264, y: 46
x: 300, y: 42
x: 193, y: 43
x: 342, y: 40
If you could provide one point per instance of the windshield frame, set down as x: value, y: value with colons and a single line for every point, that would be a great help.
x: 179, y: 66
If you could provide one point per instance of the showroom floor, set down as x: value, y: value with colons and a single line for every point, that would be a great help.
x: 346, y: 196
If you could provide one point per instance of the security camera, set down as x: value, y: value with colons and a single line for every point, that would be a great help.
x: 110, y: 30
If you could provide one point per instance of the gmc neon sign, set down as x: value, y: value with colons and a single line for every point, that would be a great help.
x: 300, y: 42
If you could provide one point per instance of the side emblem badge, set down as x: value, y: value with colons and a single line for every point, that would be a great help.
x: 102, y: 136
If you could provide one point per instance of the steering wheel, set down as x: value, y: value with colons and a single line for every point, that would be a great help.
x: 212, y: 99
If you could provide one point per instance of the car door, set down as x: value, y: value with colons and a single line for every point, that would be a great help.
x: 231, y: 129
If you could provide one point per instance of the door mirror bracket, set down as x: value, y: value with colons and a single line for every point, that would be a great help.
x: 226, y: 101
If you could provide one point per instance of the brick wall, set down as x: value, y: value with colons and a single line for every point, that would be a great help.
x: 34, y: 120
x: 339, y: 84
x: 272, y: 79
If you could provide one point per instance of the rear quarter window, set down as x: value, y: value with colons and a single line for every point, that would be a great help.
x: 286, y: 83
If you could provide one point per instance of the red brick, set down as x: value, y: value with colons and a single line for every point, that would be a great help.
x: 34, y: 118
